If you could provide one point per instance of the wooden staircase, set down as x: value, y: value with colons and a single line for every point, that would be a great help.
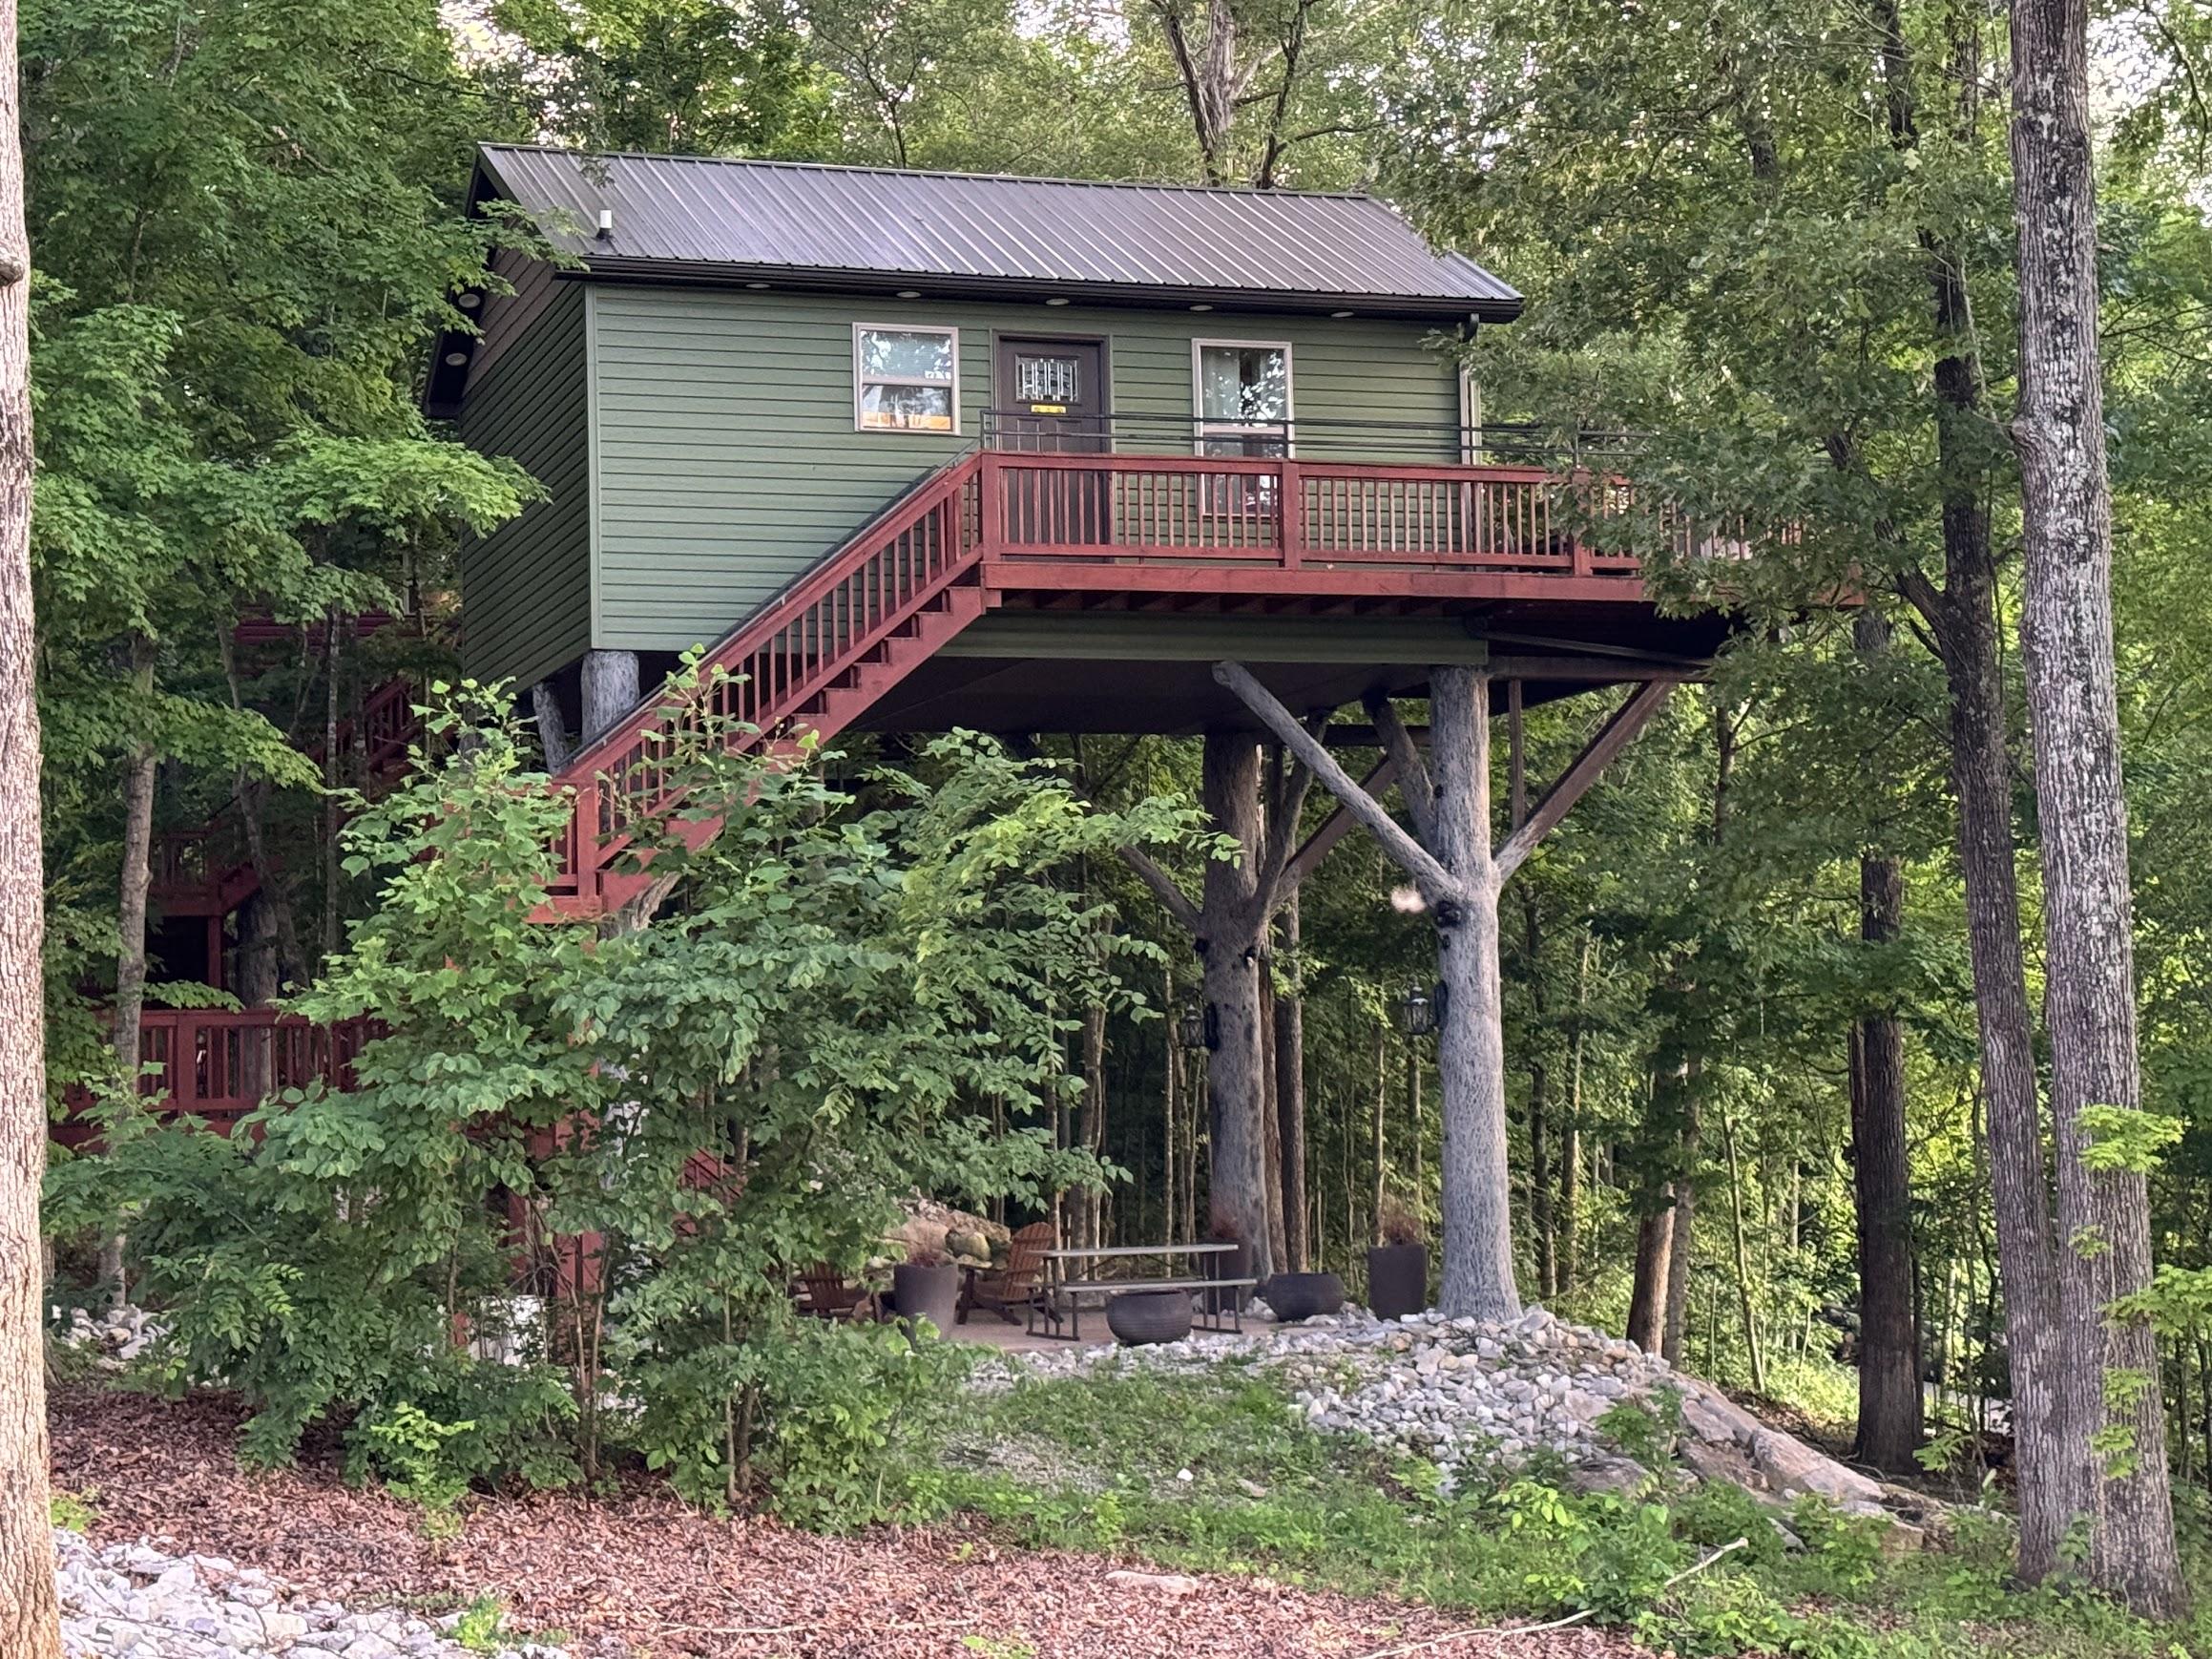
x: 810, y: 661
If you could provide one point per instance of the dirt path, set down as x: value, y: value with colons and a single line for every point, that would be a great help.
x: 641, y: 1574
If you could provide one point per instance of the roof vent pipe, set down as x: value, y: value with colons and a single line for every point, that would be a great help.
x: 605, y: 223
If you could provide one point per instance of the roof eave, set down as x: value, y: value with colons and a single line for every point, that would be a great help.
x: 1437, y: 309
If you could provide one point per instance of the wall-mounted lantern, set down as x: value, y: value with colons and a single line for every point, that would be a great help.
x: 1420, y: 1012
x: 1199, y: 1026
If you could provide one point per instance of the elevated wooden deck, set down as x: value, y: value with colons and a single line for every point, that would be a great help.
x: 1174, y: 535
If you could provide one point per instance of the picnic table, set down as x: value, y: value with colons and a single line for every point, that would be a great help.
x: 1060, y: 1290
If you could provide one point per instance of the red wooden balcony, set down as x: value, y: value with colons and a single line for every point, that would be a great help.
x: 1164, y: 528
x: 217, y: 1065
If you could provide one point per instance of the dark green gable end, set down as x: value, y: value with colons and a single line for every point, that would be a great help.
x: 525, y: 589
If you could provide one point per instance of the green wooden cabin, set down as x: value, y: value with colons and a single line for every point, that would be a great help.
x: 733, y: 366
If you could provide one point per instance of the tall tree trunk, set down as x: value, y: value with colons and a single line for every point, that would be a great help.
x: 1889, y: 1398
x: 2050, y: 1433
x: 1571, y: 1161
x: 1478, y: 1236
x: 137, y: 875
x: 1091, y: 1128
x: 1270, y: 1115
x: 1647, y: 1297
x: 1681, y: 1224
x: 30, y: 1627
x: 1290, y: 1096
x: 274, y: 894
x: 1236, y: 1191
x: 1382, y: 1096
x: 1746, y: 1303
x: 333, y: 817
x: 1170, y: 1090
x: 2073, y: 709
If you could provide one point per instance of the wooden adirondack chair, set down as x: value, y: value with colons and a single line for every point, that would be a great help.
x: 829, y: 1296
x: 1006, y: 1291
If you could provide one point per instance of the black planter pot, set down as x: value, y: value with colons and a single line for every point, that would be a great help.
x: 1139, y: 1317
x: 1397, y: 1280
x: 1296, y: 1296
x: 1234, y: 1263
x: 931, y: 1294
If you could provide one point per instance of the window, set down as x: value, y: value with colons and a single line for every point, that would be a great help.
x: 905, y: 379
x: 1242, y: 396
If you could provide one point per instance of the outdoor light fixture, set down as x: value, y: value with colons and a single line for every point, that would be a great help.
x: 1199, y: 1027
x: 1420, y: 1012
x: 910, y: 293
x: 1057, y: 300
x: 1339, y: 313
x: 1202, y: 307
x: 756, y: 284
x: 456, y: 358
x: 470, y: 301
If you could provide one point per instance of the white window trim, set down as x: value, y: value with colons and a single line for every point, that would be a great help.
x: 860, y: 381
x: 1471, y: 444
x: 1203, y: 426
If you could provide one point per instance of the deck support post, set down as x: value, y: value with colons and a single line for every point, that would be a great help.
x: 553, y: 726
x: 1460, y: 877
x: 610, y: 691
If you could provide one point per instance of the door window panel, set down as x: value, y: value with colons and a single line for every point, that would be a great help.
x: 1047, y: 380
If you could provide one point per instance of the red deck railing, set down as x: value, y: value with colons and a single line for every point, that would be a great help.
x: 816, y: 655
x: 219, y: 1063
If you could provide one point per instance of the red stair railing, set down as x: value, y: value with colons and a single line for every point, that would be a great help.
x: 766, y: 675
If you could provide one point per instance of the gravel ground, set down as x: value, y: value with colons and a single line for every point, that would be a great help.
x: 638, y: 1574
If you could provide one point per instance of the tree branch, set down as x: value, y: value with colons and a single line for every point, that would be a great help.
x: 1614, y: 736
x: 1416, y: 860
x: 1412, y: 772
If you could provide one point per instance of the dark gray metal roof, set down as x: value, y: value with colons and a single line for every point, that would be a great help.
x: 974, y: 234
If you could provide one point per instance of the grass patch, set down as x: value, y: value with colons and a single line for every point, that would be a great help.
x: 1216, y: 1472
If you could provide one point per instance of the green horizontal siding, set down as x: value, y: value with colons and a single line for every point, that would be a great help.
x: 727, y: 460
x: 526, y: 588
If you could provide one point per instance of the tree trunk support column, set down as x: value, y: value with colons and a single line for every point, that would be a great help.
x: 1459, y: 877
x: 610, y: 691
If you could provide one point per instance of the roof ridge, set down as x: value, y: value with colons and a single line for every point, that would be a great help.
x: 1179, y: 185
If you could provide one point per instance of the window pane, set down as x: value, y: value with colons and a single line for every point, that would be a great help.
x: 909, y: 353
x: 1243, y: 383
x: 925, y: 408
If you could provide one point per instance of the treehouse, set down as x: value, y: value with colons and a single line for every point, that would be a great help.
x: 907, y: 451
x: 911, y: 451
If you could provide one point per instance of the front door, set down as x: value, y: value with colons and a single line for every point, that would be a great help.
x: 1052, y: 395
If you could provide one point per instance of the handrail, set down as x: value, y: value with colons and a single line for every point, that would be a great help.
x: 764, y: 672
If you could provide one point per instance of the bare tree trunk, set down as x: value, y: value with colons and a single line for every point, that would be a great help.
x: 1745, y: 1305
x: 1290, y: 1097
x: 30, y: 1626
x: 1381, y: 1097
x: 1237, y: 1166
x: 1891, y: 1408
x: 552, y: 728
x: 1571, y: 1162
x: 1091, y: 1130
x: 2073, y: 703
x: 1271, y: 1115
x: 275, y: 892
x: 333, y: 817
x: 137, y: 875
x: 1681, y: 1222
x: 1478, y: 1229
x: 1539, y: 1085
x: 1647, y: 1298
x: 1170, y: 1087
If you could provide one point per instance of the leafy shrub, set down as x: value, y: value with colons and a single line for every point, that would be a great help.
x: 553, y: 1224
